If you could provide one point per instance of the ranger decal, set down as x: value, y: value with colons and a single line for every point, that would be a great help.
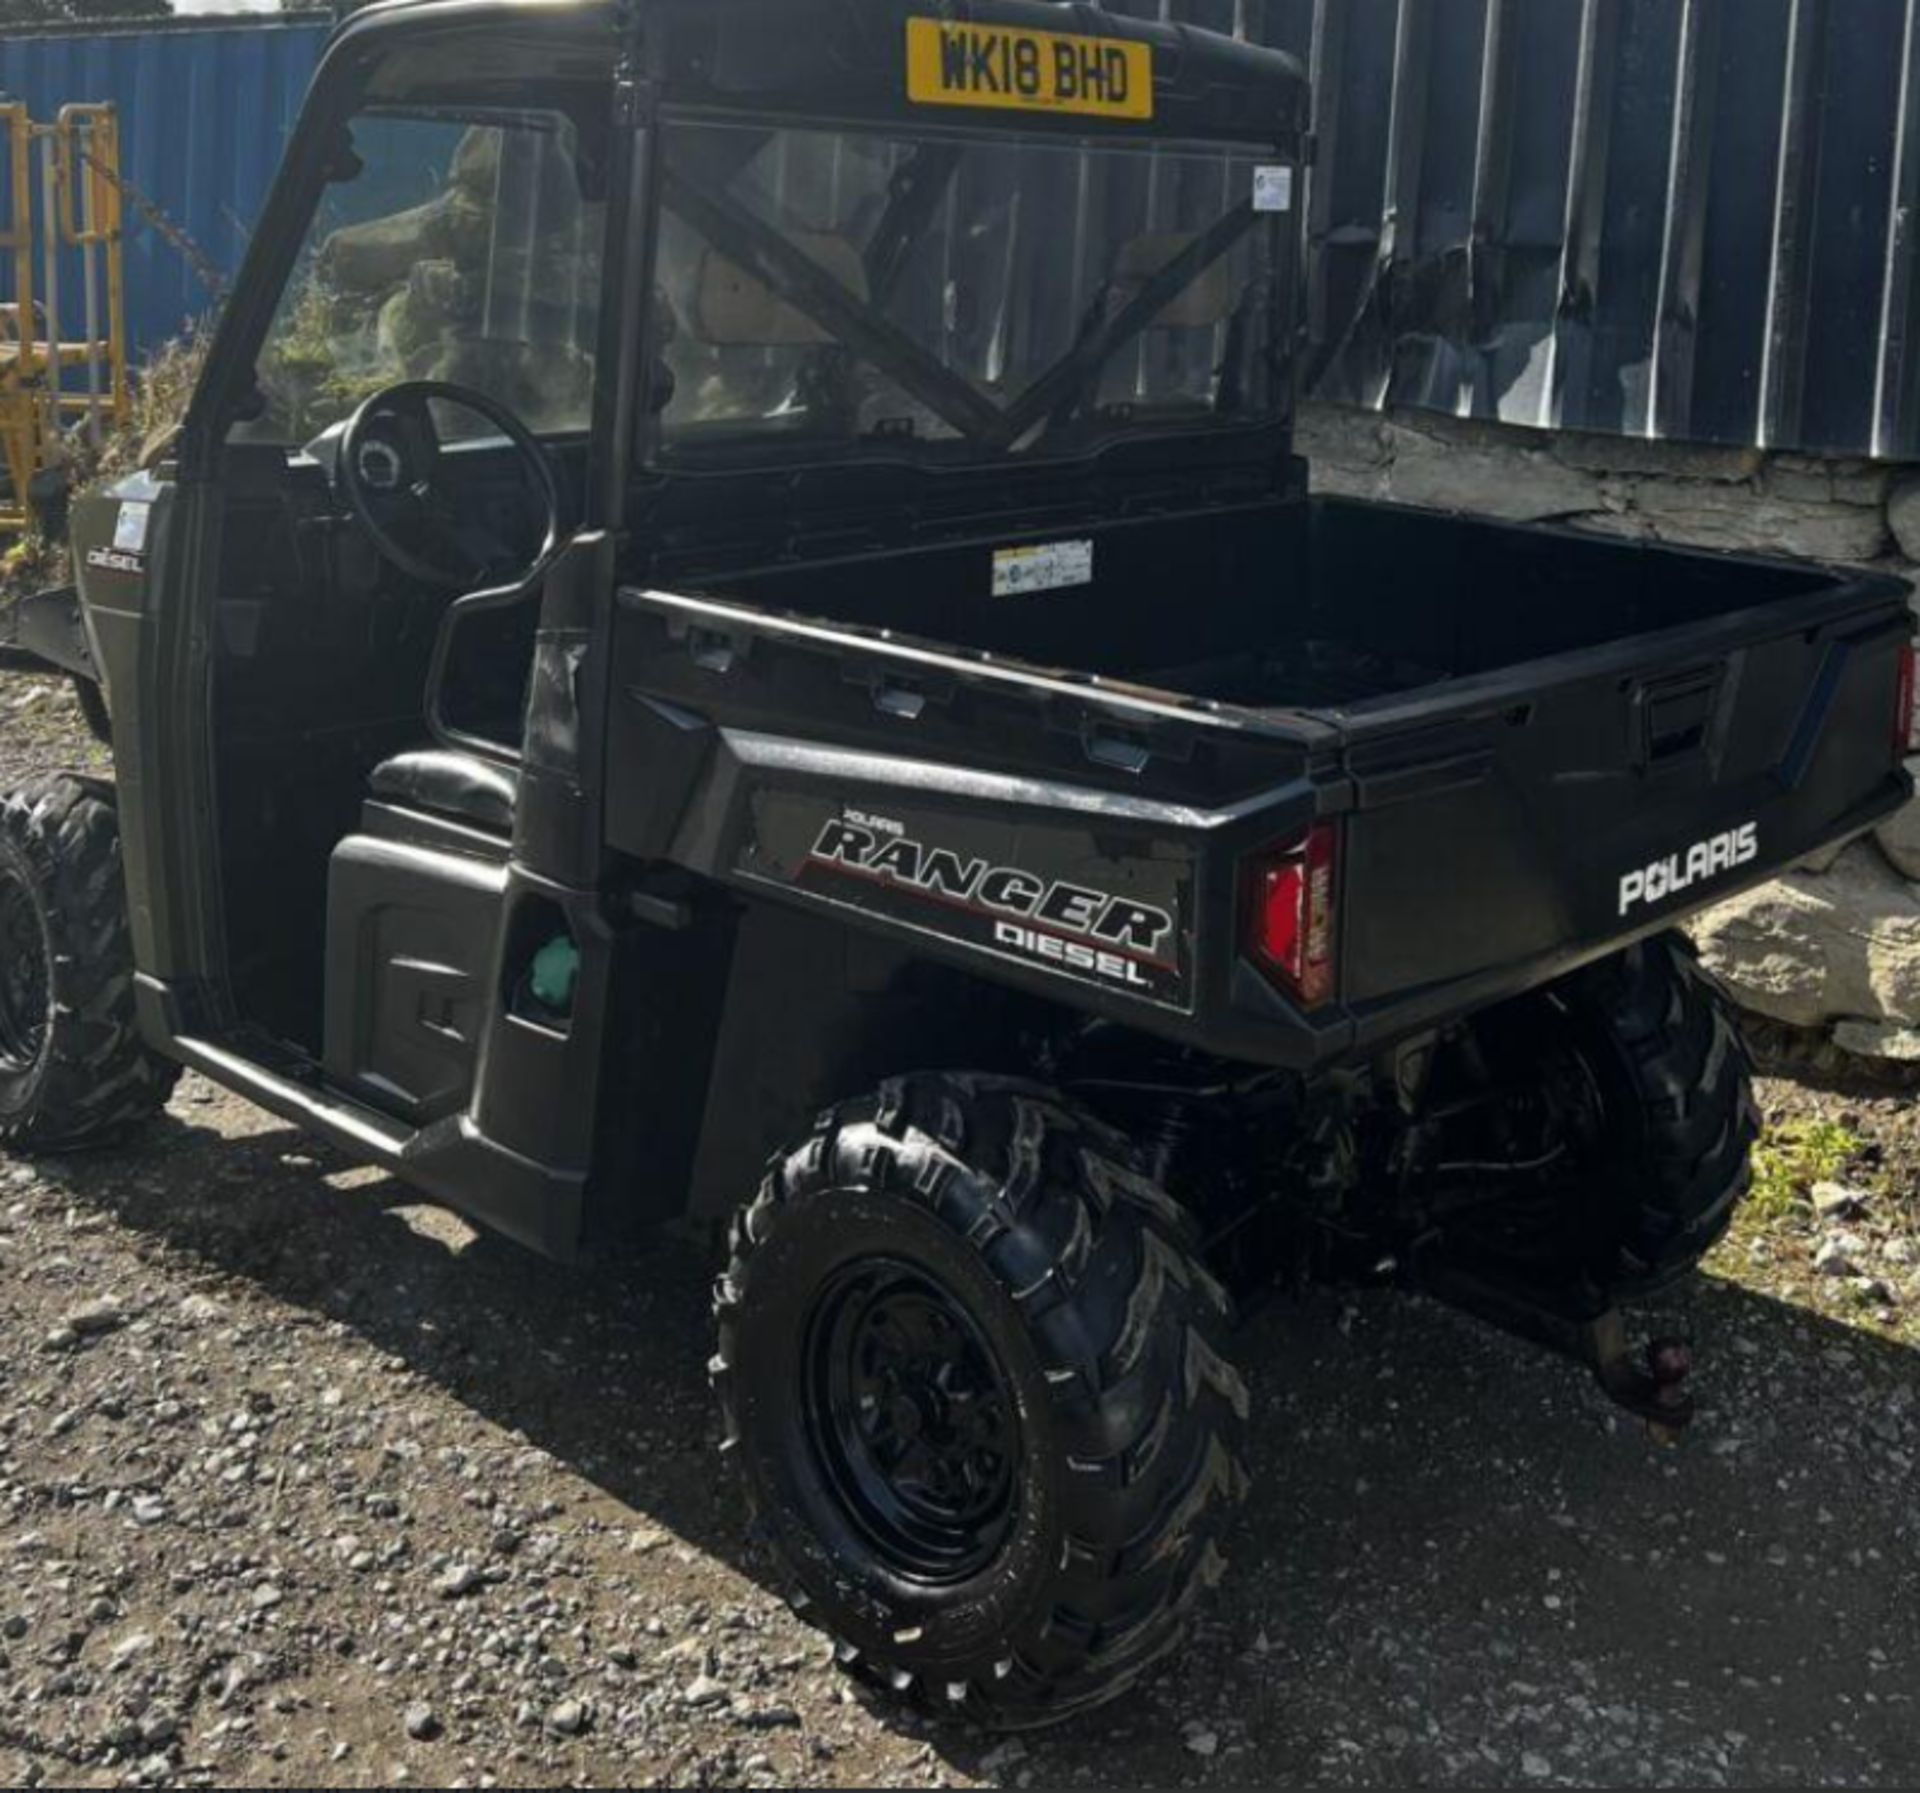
x: 1003, y: 890
x: 1065, y: 899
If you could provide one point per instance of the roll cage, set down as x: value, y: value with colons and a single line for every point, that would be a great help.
x: 837, y: 68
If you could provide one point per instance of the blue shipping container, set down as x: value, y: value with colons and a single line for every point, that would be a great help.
x: 205, y: 112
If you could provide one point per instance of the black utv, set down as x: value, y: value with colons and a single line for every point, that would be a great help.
x: 734, y: 630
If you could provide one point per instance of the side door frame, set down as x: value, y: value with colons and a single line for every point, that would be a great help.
x: 163, y: 669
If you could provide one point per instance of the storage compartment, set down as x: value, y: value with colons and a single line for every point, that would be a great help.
x: 411, y: 938
x: 1317, y: 605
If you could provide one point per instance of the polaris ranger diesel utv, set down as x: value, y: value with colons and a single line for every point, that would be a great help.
x: 734, y: 629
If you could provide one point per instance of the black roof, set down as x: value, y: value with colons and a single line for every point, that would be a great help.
x: 846, y: 58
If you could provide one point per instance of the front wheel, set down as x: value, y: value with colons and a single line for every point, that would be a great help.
x: 975, y: 1374
x: 73, y: 1069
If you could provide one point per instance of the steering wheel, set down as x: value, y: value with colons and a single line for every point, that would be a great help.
x: 389, y: 469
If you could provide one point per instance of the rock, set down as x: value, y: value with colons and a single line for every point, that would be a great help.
x: 704, y: 1690
x: 1347, y: 450
x: 158, y: 1726
x: 1737, y: 518
x: 1200, y: 1740
x: 1815, y: 481
x: 266, y: 1597
x: 770, y: 1718
x: 1874, y: 1039
x: 92, y: 1318
x: 1647, y: 458
x: 1903, y: 515
x: 1491, y: 478
x: 423, y: 1723
x: 148, y: 1509
x: 1901, y: 1252
x: 569, y: 1719
x: 1810, y: 951
x: 1840, y: 1254
x: 459, y: 1581
x: 1838, y: 1201
x: 1899, y: 835
x: 1824, y: 860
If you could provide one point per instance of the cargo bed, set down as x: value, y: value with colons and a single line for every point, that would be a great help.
x: 1536, y: 744
x: 1320, y: 605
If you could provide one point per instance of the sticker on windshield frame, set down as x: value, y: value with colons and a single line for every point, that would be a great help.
x: 130, y: 527
x: 1273, y: 188
x: 952, y: 63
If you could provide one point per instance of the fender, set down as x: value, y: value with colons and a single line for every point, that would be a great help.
x: 47, y: 632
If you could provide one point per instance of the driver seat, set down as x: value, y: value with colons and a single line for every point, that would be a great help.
x: 462, y: 787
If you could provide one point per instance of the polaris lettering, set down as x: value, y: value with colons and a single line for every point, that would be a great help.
x: 1705, y: 860
x: 1035, y: 71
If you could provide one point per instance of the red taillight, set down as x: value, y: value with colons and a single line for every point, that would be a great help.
x: 1290, y: 914
x: 1906, y: 739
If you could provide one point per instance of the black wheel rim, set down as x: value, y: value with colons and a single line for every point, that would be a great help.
x: 912, y: 1420
x: 26, y: 983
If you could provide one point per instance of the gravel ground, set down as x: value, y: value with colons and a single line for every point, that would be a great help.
x: 303, y: 1483
x: 41, y: 729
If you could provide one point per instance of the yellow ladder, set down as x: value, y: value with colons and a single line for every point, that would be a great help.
x: 61, y: 214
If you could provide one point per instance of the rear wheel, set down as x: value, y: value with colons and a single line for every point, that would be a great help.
x: 1612, y: 1122
x: 1670, y: 1055
x: 73, y: 1069
x: 975, y: 1374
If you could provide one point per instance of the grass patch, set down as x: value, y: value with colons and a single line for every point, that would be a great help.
x: 1791, y: 1157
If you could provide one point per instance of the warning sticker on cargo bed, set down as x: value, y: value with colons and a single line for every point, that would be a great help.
x: 954, y: 64
x: 1051, y: 566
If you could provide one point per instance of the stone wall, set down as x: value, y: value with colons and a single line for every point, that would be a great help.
x: 1835, y: 946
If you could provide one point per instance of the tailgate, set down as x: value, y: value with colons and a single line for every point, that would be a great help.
x: 1538, y: 816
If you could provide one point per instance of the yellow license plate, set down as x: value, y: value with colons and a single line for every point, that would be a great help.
x: 1027, y: 71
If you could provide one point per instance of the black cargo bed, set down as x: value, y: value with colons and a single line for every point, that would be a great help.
x: 1288, y: 605
x: 1314, y: 675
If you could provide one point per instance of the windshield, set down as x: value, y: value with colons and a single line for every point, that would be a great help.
x: 455, y: 248
x: 961, y: 297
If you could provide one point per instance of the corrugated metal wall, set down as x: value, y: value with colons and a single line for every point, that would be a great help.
x: 1677, y: 218
x: 1692, y: 219
x: 204, y: 113
x: 1681, y: 218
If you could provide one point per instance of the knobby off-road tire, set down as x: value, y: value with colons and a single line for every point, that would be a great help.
x: 1678, y: 1084
x: 974, y: 1372
x: 73, y: 1069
